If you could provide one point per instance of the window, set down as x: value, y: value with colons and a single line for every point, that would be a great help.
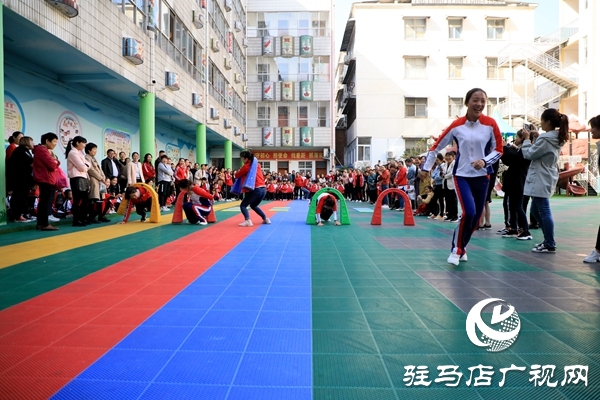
x: 455, y: 106
x: 263, y: 116
x: 414, y: 28
x: 322, y: 118
x: 585, y: 106
x: 493, y: 71
x: 415, y: 67
x: 265, y: 166
x: 415, y: 107
x: 493, y: 103
x: 263, y: 28
x: 364, y: 149
x: 585, y: 50
x: 455, y: 65
x: 302, y: 116
x: 305, y: 167
x: 495, y: 29
x: 283, y: 116
x: 283, y: 26
x: 455, y: 26
x: 263, y: 72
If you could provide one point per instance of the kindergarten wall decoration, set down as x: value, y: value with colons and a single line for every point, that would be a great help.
x: 67, y: 127
x: 117, y: 140
x: 14, y: 118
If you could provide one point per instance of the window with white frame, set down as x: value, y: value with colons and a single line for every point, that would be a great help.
x: 265, y: 166
x: 415, y: 107
x: 322, y: 117
x: 305, y: 167
x: 364, y: 149
x: 455, y: 26
x: 415, y: 67
x: 415, y: 28
x: 302, y: 116
x: 493, y: 71
x: 455, y: 106
x: 263, y: 116
x: 263, y: 71
x: 493, y: 103
x: 455, y: 66
x: 495, y: 29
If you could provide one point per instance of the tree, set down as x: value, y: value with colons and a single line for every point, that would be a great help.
x: 417, y: 149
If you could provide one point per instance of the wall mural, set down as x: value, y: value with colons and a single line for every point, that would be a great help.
x: 51, y: 108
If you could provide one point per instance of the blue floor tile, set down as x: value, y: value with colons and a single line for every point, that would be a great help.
x: 178, y: 391
x: 196, y: 367
x: 290, y: 291
x: 175, y: 317
x: 204, y: 290
x: 217, y: 339
x: 266, y: 370
x: 269, y: 393
x: 280, y: 341
x: 239, y: 303
x: 239, y: 290
x: 191, y: 302
x: 100, y: 390
x: 127, y: 365
x: 287, y: 304
x: 155, y: 338
x: 284, y: 320
x: 230, y: 319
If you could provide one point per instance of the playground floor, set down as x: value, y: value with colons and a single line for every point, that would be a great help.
x: 293, y: 311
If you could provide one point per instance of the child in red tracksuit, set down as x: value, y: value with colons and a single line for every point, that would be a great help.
x: 314, y: 188
x: 326, y: 207
x: 199, y: 205
x: 271, y: 189
x: 139, y: 197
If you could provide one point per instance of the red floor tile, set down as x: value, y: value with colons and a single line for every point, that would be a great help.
x: 35, y: 334
x: 120, y: 288
x: 53, y: 298
x: 123, y: 316
x: 95, y: 336
x: 145, y: 301
x: 11, y: 355
x: 12, y: 388
x: 23, y: 313
x: 73, y: 315
x: 99, y: 300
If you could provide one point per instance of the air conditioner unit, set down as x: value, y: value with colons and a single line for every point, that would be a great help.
x: 244, y: 137
x: 215, y: 45
x: 172, y: 80
x: 244, y: 42
x: 227, y: 5
x: 198, y: 19
x: 236, y: 131
x: 391, y: 154
x: 226, y: 123
x: 227, y: 63
x: 133, y: 50
x: 238, y: 26
x: 197, y: 100
x: 214, y: 113
x: 68, y: 7
x: 325, y: 153
x: 245, y: 89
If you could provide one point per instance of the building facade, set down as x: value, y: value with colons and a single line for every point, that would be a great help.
x: 290, y: 78
x: 409, y: 63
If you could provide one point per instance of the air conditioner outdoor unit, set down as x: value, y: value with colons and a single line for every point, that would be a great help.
x: 325, y: 153
x: 237, y: 78
x: 244, y: 42
x: 198, y: 19
x: 391, y: 154
x: 245, y: 89
x: 238, y: 26
x: 227, y: 63
x: 215, y: 45
x: 197, y: 100
x: 244, y: 137
x: 227, y: 5
x: 226, y: 123
x: 214, y: 113
x: 236, y: 131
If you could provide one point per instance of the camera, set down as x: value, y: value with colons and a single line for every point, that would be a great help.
x: 529, y: 127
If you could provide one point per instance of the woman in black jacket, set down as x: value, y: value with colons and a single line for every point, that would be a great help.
x: 513, y: 184
x: 20, y: 178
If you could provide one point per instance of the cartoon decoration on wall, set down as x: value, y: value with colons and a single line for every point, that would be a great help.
x: 67, y: 127
x: 14, y: 118
x: 117, y: 140
x: 173, y: 152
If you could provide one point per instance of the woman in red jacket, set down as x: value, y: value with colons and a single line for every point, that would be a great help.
x: 148, y: 169
x: 45, y: 165
x: 254, y: 196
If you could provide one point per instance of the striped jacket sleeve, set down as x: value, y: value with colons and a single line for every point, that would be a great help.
x: 444, y: 140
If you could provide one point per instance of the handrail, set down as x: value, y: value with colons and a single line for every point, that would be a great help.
x: 561, y: 34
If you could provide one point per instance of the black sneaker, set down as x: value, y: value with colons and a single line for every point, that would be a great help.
x: 511, y: 234
x: 542, y: 248
x: 524, y: 236
x: 502, y: 231
x: 534, y: 226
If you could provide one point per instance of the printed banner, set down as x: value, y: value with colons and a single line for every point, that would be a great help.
x: 267, y: 90
x: 287, y: 136
x: 306, y: 91
x: 14, y: 118
x: 117, y: 140
x: 287, y: 155
x: 306, y: 136
x: 173, y: 152
x: 287, y: 91
x: 267, y: 136
x: 306, y: 46
x: 287, y: 46
x: 267, y: 45
x: 230, y: 42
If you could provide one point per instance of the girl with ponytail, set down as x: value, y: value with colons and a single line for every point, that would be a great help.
x: 542, y: 175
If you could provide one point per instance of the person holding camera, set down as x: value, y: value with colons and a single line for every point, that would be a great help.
x: 542, y: 175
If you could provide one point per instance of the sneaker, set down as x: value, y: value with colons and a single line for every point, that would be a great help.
x: 464, y: 257
x: 446, y: 219
x: 164, y: 208
x: 23, y: 219
x: 593, y: 257
x: 542, y: 248
x: 487, y: 227
x: 502, y: 231
x: 452, y: 220
x: 266, y: 221
x: 524, y: 236
x: 511, y: 234
x: 31, y: 217
x: 453, y: 259
x: 202, y: 223
x: 400, y: 209
x: 439, y: 218
x: 534, y: 226
x: 52, y: 218
x: 247, y: 223
x: 143, y: 219
x: 385, y: 206
x: 481, y: 228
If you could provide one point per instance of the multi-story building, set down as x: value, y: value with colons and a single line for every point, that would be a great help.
x: 129, y: 75
x: 409, y: 63
x: 290, y: 78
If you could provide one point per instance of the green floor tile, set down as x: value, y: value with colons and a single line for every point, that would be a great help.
x: 444, y: 321
x: 339, y: 320
x: 336, y: 304
x: 333, y: 291
x: 406, y: 342
x: 424, y: 305
x: 343, y: 342
x: 380, y: 321
x: 556, y: 322
x: 376, y: 291
x: 349, y: 371
x: 387, y: 305
x: 354, y: 394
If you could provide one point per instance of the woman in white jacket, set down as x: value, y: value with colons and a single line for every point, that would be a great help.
x: 77, y: 170
x: 542, y: 175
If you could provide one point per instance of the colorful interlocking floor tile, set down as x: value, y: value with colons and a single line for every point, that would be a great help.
x: 294, y: 311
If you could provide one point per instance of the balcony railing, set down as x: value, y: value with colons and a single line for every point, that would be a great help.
x: 560, y: 35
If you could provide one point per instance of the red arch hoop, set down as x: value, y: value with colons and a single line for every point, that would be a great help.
x: 409, y: 219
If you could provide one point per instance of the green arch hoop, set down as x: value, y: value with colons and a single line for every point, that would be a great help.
x: 312, y: 209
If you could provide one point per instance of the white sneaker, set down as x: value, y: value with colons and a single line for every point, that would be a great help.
x: 453, y: 259
x: 385, y: 206
x: 52, y: 218
x: 593, y: 257
x: 247, y: 223
x: 464, y: 257
x: 266, y: 221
